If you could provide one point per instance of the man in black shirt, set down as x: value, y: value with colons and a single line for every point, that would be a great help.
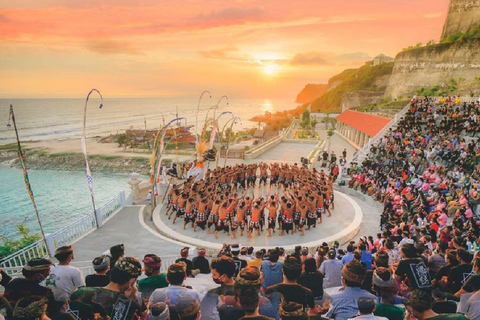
x: 187, y: 262
x: 35, y: 271
x: 458, y: 275
x: 200, y: 262
x: 239, y: 263
x: 289, y: 288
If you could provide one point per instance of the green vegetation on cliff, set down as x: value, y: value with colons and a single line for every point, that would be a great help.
x: 362, y: 78
x: 459, y: 37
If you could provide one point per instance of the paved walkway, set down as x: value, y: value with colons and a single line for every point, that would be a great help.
x: 125, y: 227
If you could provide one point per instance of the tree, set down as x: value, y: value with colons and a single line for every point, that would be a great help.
x: 12, y: 246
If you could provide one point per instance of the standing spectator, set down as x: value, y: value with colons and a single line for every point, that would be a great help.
x: 200, y: 262
x: 332, y: 270
x: 64, y: 279
x: 154, y: 280
x: 101, y: 265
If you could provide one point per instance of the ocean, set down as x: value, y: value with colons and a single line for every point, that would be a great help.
x: 63, y: 196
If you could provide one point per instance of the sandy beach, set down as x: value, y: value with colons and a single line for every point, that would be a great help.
x: 94, y: 147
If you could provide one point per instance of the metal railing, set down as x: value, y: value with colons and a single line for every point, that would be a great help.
x: 20, y: 258
x: 66, y: 235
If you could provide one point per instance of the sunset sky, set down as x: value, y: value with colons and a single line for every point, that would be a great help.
x: 261, y: 49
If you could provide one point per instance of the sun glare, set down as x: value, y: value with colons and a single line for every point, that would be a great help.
x: 270, y: 69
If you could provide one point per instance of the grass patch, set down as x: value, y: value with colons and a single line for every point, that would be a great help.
x: 104, y: 157
x: 11, y: 146
x: 63, y: 154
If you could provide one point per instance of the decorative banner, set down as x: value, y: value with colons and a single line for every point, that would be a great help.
x: 25, y: 175
x: 83, y: 145
x: 198, y: 110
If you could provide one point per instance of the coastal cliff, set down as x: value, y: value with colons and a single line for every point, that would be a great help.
x: 435, y: 65
x: 311, y: 92
x: 462, y: 16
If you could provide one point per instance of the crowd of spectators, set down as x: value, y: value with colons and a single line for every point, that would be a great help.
x: 423, y: 264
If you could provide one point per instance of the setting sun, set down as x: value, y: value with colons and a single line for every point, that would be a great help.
x: 270, y: 69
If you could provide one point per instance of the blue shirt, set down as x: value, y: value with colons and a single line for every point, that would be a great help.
x: 344, y: 303
x: 367, y: 258
x: 347, y: 258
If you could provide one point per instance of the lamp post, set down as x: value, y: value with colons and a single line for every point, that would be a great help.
x: 84, y: 150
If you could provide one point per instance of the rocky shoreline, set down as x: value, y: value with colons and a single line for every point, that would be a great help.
x: 42, y: 160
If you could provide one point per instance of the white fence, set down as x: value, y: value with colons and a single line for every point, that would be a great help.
x: 66, y: 235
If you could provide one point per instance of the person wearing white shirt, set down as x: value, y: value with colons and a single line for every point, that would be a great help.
x: 64, y: 279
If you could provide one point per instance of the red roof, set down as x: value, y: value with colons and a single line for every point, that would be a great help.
x: 363, y: 122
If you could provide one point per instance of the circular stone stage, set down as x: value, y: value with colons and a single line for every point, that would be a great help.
x: 342, y: 226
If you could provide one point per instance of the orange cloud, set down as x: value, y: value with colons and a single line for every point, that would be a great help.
x: 108, y: 46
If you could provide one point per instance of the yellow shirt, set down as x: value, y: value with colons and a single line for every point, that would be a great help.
x: 255, y: 263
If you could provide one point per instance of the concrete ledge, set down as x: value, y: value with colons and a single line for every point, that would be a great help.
x: 348, y: 140
x: 342, y: 236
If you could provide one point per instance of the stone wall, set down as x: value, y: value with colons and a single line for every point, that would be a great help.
x: 462, y: 15
x: 354, y: 99
x: 433, y: 65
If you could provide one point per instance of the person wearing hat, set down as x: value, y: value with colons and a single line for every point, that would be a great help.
x: 176, y: 275
x: 344, y: 303
x: 200, y: 262
x: 64, y: 279
x: 154, y: 280
x: 418, y: 305
x: 34, y: 272
x: 158, y: 311
x: 122, y: 288
x: 239, y: 263
x: 31, y: 308
x: 187, y: 308
x: 332, y: 270
x: 366, y: 307
x: 385, y: 287
x: 100, y: 278
x: 187, y: 262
